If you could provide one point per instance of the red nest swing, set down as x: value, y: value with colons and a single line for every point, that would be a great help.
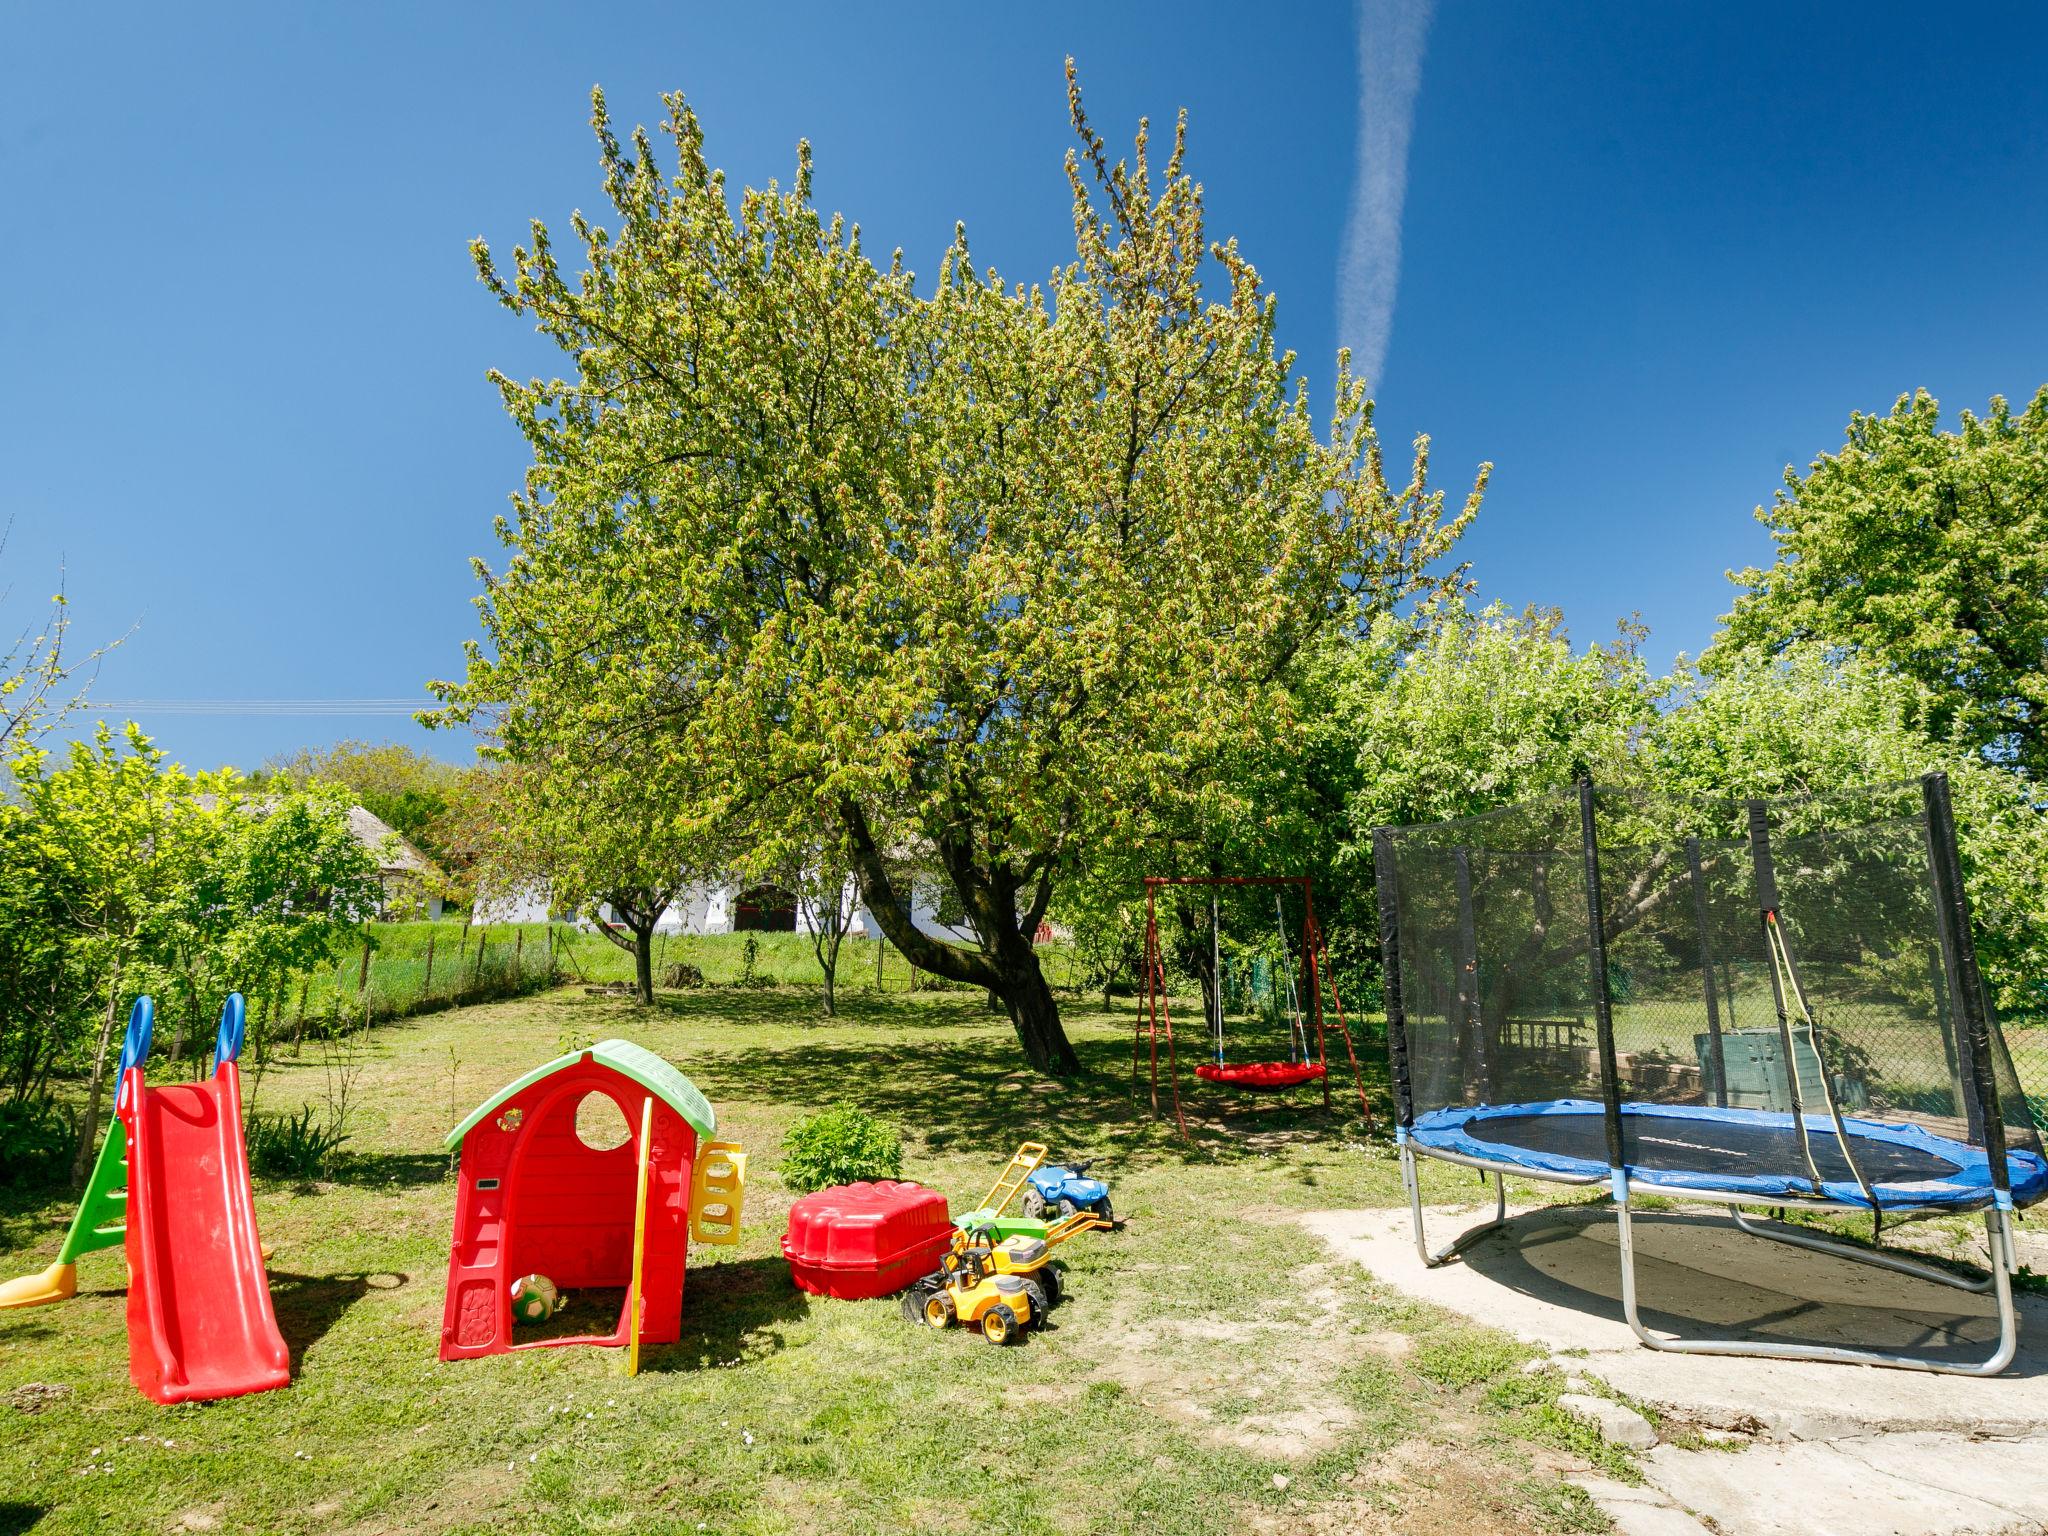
x: 1262, y: 1074
x: 1257, y: 1076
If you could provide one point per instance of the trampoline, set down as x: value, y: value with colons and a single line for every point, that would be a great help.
x: 1681, y: 1149
x: 1759, y: 1005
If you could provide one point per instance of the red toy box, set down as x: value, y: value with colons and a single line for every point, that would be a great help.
x: 860, y: 1240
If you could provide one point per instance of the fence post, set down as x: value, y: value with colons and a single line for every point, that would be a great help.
x: 363, y: 976
x: 518, y: 957
x: 427, y: 986
x: 483, y: 939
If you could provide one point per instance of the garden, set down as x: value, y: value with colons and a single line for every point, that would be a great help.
x: 1211, y: 1368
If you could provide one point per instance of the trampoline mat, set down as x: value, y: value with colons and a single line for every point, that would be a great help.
x: 1737, y: 1151
x: 1655, y: 1143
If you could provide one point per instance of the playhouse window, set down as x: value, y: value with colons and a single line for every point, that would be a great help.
x: 600, y: 1123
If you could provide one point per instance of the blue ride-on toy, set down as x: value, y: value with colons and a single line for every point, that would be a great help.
x: 1065, y: 1189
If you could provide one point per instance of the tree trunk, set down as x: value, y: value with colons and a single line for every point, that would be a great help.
x: 643, y: 962
x: 1034, y: 1012
x: 88, y: 1131
x: 1005, y: 960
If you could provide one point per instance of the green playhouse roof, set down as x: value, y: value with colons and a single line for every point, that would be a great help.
x: 623, y: 1057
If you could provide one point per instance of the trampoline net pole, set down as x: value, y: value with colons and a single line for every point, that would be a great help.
x: 1386, y: 882
x: 1974, y: 1012
x: 1716, y: 1056
x: 1596, y: 958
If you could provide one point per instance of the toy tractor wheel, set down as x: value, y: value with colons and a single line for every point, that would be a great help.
x: 1102, y: 1209
x: 1035, y: 1293
x: 1049, y: 1279
x: 1034, y: 1204
x: 939, y: 1311
x: 914, y: 1300
x: 1068, y: 1209
x: 999, y: 1325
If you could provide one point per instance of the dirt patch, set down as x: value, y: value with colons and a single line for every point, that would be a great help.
x: 206, y: 1517
x: 35, y: 1396
x: 1268, y: 1384
x: 1418, y: 1488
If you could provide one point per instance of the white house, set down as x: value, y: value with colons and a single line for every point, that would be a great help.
x: 726, y: 906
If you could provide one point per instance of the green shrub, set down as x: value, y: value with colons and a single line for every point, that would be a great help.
x: 35, y: 1141
x: 300, y: 1146
x: 841, y: 1145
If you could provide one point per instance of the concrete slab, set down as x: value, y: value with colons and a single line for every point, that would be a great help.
x: 1815, y: 1489
x: 1852, y: 1450
x: 1552, y: 1276
x: 1618, y: 1423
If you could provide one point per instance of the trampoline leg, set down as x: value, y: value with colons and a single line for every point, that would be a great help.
x: 1413, y: 1184
x: 1841, y: 1250
x: 1998, y: 1234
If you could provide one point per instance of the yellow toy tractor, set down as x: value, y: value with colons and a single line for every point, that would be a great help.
x: 999, y: 1305
x: 966, y: 1286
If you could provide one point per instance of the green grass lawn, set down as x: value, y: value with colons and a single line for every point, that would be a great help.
x: 1214, y: 1369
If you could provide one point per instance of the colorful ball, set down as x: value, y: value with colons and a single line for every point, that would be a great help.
x: 534, y: 1299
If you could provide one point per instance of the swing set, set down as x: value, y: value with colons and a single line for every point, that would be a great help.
x: 1285, y: 983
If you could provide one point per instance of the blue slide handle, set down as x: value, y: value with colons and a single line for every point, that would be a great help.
x: 135, y: 1044
x: 227, y: 1044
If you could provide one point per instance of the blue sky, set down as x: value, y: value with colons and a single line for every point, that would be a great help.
x: 1650, y: 255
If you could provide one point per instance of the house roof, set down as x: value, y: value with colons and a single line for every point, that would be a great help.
x: 627, y: 1059
x: 392, y: 850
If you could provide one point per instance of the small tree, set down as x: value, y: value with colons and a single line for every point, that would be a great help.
x: 596, y: 839
x: 825, y: 897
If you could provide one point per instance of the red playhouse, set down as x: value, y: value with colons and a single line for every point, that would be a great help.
x: 537, y: 1197
x: 856, y: 1241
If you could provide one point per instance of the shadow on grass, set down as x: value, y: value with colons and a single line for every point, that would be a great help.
x: 802, y: 1007
x: 972, y: 1094
x: 16, y: 1518
x: 307, y: 1306
x: 732, y: 1312
x: 374, y: 1170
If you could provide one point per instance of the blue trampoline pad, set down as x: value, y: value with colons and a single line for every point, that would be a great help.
x: 1679, y: 1147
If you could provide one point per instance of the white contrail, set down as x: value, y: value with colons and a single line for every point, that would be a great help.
x: 1390, y: 39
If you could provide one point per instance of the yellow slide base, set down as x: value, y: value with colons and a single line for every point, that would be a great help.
x: 57, y: 1283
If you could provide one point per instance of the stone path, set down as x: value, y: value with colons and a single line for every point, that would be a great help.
x: 1829, y: 1450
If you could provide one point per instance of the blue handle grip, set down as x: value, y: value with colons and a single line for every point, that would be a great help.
x: 135, y: 1044
x: 227, y: 1044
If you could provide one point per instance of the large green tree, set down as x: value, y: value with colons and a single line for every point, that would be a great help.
x: 1925, y: 552
x: 968, y: 571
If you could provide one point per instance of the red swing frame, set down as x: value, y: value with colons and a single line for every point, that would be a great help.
x: 1157, y: 1018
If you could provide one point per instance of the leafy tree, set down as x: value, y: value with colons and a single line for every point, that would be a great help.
x: 1491, y: 708
x: 1803, y: 724
x: 967, y: 572
x: 596, y: 836
x: 121, y: 873
x: 1925, y: 552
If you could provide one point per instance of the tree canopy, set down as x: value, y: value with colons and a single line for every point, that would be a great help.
x: 1926, y: 553
x: 977, y: 573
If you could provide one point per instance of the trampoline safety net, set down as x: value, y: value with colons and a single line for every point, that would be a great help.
x: 1778, y: 995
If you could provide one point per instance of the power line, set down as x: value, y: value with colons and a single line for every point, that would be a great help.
x: 331, y: 707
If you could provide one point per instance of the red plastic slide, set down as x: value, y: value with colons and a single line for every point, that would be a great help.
x: 199, y: 1318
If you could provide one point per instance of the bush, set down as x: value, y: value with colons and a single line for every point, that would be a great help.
x: 35, y: 1141
x: 842, y: 1145
x: 293, y: 1146
x: 681, y: 976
